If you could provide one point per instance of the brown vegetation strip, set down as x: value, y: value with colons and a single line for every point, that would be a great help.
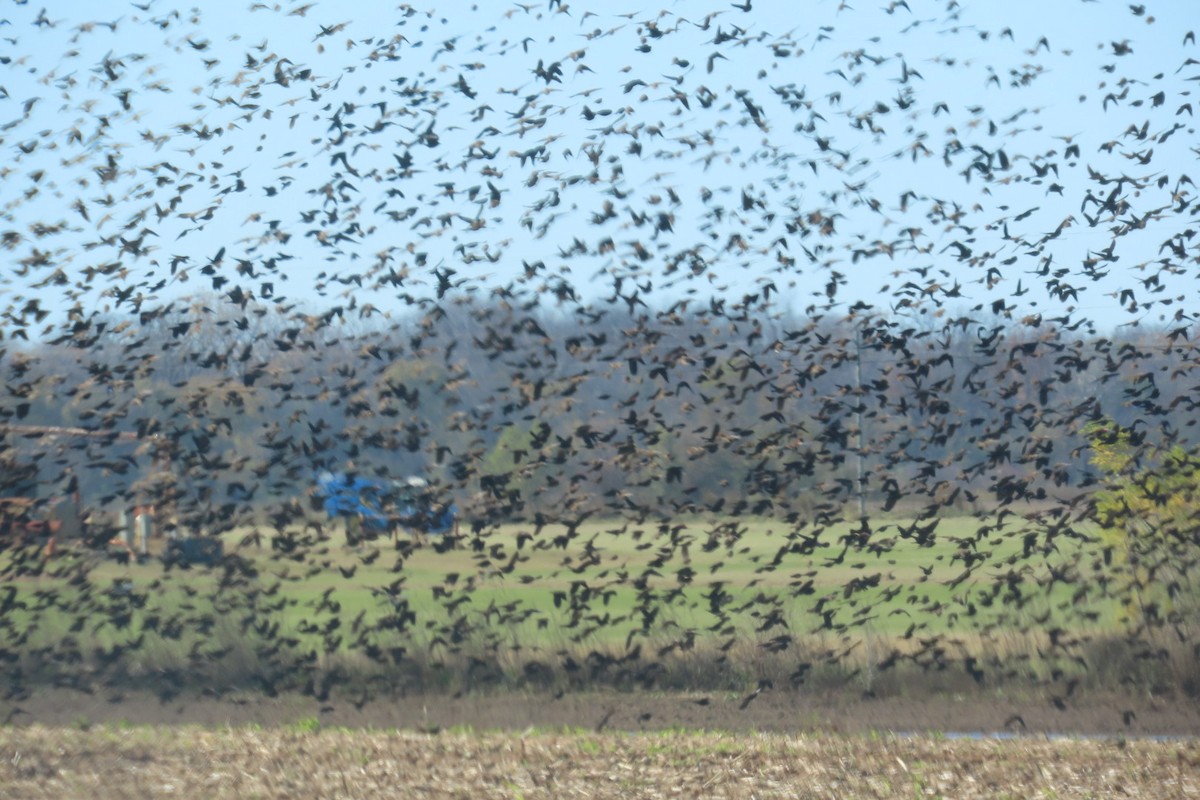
x: 183, y: 761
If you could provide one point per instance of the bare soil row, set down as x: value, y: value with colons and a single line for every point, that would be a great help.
x: 1085, y: 714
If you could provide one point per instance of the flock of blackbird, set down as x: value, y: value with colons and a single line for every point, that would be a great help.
x: 629, y: 289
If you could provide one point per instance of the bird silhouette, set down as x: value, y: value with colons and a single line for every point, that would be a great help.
x: 718, y: 361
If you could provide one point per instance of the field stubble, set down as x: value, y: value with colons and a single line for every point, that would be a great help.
x: 111, y: 762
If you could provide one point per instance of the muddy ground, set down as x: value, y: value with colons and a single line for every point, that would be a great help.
x: 770, y: 711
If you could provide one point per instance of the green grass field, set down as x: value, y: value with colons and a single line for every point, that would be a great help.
x: 607, y: 570
x: 514, y: 596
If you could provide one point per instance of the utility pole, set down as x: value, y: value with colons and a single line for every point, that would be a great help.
x: 860, y: 402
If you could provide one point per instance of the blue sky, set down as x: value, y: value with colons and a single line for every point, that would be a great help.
x: 554, y: 150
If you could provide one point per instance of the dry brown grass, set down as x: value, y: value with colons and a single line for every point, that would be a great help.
x: 111, y: 762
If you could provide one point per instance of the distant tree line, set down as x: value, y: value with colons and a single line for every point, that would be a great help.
x: 540, y: 414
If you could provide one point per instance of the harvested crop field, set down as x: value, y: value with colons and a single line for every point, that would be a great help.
x: 184, y: 761
x: 604, y: 744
